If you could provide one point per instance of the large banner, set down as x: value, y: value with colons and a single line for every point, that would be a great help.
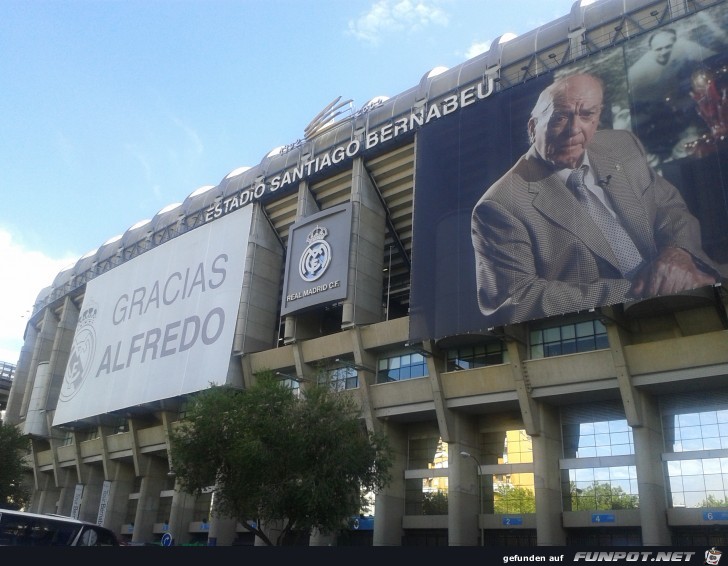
x: 505, y: 233
x: 160, y: 325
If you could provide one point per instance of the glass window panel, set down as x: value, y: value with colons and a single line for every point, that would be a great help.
x: 711, y: 443
x: 674, y: 468
x: 602, y: 474
x: 552, y: 334
x: 710, y: 430
x: 582, y: 475
x: 714, y: 481
x: 586, y: 344
x: 602, y: 440
x: 678, y: 500
x: 711, y: 465
x: 569, y: 347
x: 585, y: 328
x: 622, y: 450
x: 694, y: 483
x: 687, y: 432
x: 688, y: 419
x: 722, y: 416
x: 708, y: 418
x: 587, y: 428
x: 696, y: 444
x: 394, y: 363
x: 692, y: 467
x: 552, y: 350
x: 620, y: 438
x: 602, y: 342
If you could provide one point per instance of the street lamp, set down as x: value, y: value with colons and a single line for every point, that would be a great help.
x: 480, y: 493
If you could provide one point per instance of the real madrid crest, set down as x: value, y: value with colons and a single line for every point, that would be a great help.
x: 316, y: 257
x: 82, y: 353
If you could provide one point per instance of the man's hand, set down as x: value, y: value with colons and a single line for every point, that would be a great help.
x: 671, y: 272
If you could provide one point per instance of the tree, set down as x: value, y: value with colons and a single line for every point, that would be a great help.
x: 304, y: 461
x: 13, y: 493
x: 514, y: 499
x: 602, y: 496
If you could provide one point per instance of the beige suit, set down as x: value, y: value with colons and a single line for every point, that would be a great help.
x: 538, y: 252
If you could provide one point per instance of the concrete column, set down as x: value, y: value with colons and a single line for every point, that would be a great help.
x: 122, y: 484
x: 154, y: 479
x: 363, y: 304
x: 648, y: 446
x: 389, y: 503
x: 547, y: 478
x: 223, y: 531
x: 181, y: 515
x: 463, y: 519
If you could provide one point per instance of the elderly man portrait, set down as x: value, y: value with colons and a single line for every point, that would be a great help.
x: 581, y: 220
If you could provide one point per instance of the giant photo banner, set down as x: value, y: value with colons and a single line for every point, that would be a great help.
x: 501, y: 235
x: 160, y: 325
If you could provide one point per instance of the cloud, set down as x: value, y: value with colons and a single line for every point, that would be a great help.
x: 477, y: 48
x: 27, y: 273
x: 395, y: 16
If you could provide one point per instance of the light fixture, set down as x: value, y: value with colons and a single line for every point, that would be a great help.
x: 352, y: 365
x: 292, y: 377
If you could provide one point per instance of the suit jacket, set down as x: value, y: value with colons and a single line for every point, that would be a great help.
x: 538, y: 252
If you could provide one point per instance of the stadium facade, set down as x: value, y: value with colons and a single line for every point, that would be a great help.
x: 349, y: 252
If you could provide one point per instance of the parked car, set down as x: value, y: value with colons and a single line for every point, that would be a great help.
x: 18, y: 528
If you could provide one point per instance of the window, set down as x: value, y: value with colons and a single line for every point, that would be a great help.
x: 481, y: 355
x: 507, y: 491
x: 583, y: 336
x: 598, y: 430
x: 399, y: 368
x: 343, y: 378
x: 696, y: 445
x: 428, y: 495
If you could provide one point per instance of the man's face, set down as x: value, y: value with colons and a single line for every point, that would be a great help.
x: 562, y: 132
x: 662, y: 47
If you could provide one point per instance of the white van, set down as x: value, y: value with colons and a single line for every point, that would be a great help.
x: 18, y: 528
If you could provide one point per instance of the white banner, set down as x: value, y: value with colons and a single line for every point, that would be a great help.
x: 77, y: 496
x: 160, y: 325
x: 103, y: 503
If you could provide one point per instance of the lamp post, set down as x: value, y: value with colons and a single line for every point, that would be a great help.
x: 465, y: 454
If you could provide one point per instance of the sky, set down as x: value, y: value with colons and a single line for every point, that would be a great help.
x: 111, y: 110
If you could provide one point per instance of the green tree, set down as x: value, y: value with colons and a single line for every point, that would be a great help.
x: 303, y: 461
x: 602, y: 496
x: 714, y: 501
x: 512, y: 499
x: 13, y: 493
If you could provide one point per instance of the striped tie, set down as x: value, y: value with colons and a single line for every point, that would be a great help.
x: 628, y: 255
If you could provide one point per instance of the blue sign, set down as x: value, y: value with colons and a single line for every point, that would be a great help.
x: 166, y: 539
x: 715, y: 515
x: 602, y: 518
x: 512, y: 520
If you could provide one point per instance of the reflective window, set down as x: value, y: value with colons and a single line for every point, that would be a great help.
x: 427, y: 451
x: 507, y: 492
x: 583, y: 336
x: 398, y: 368
x: 696, y: 423
x: 480, y: 355
x: 427, y: 496
x: 598, y: 430
x: 600, y: 488
x: 343, y: 378
x: 701, y: 482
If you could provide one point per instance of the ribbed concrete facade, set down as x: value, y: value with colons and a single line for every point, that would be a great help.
x: 651, y: 360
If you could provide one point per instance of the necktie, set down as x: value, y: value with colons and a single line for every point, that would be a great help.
x: 628, y: 255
